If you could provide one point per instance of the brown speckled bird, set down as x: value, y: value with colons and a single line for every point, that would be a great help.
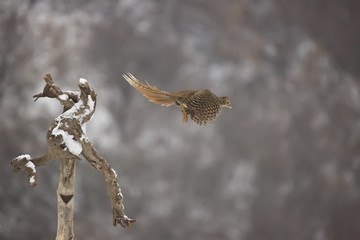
x: 202, y: 105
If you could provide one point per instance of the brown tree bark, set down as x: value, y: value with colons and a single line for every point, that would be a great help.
x: 65, y: 197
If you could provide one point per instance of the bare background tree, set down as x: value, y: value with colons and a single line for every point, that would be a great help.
x: 283, y: 163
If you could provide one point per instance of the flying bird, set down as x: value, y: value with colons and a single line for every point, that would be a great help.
x: 202, y: 105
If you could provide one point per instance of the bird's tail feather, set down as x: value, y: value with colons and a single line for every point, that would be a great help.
x: 154, y: 94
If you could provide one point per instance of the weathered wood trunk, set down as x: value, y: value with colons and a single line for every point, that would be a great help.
x: 65, y: 196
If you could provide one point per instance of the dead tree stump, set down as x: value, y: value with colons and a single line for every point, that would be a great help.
x: 67, y: 140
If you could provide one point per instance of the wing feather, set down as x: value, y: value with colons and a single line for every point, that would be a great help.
x: 203, y: 106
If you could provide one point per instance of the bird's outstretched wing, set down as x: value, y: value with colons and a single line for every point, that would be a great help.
x: 203, y: 106
x: 154, y: 94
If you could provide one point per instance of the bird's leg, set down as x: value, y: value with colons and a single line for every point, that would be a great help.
x: 185, y: 118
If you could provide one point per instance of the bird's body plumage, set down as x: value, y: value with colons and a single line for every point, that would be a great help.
x: 202, y: 105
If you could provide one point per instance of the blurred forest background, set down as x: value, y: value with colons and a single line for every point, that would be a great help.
x: 283, y: 163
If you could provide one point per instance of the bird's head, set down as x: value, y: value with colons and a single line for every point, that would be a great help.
x: 225, y: 102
